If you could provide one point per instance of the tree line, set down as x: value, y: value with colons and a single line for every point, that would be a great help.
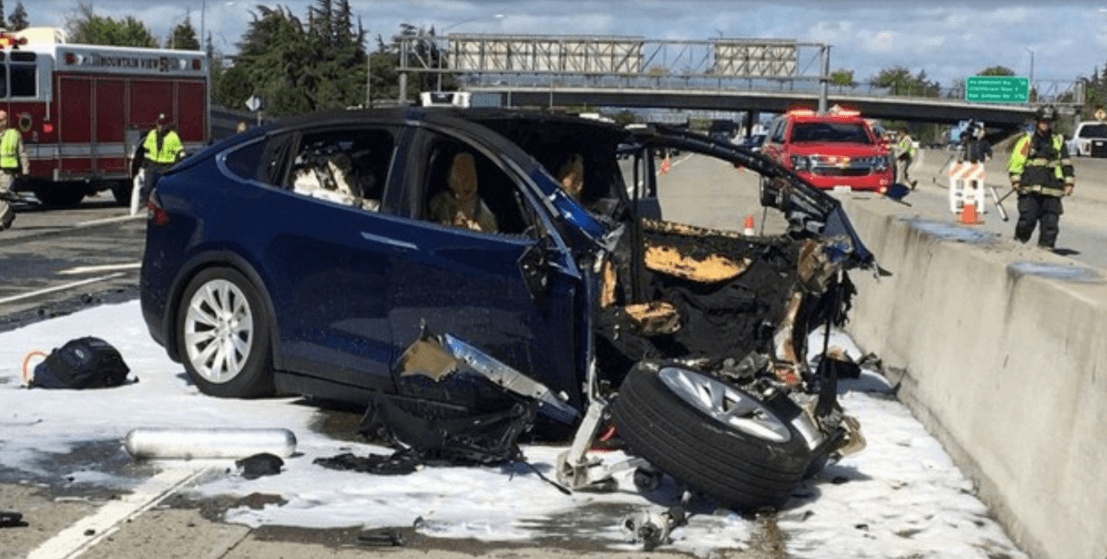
x: 17, y: 20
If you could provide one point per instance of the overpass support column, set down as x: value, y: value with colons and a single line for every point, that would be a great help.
x: 824, y: 79
x: 752, y: 117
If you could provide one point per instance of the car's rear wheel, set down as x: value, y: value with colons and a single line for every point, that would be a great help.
x: 223, y: 335
x: 713, y: 437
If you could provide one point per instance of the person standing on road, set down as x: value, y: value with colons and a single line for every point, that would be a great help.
x: 1041, y: 172
x: 13, y: 162
x: 162, y: 149
x: 905, y: 154
x: 978, y: 149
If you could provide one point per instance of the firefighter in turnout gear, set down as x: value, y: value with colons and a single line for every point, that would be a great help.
x: 1041, y: 172
x: 161, y: 150
x: 13, y: 162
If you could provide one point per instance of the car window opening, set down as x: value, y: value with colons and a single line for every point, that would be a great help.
x: 804, y: 132
x: 464, y: 188
x: 345, y: 167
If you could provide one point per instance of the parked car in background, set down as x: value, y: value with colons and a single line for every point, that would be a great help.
x: 831, y: 150
x: 1089, y: 139
x: 753, y: 143
x: 311, y: 258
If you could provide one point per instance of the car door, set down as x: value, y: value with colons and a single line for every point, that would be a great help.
x: 513, y: 293
x: 326, y: 256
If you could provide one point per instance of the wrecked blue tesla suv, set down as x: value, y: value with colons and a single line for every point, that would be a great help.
x: 515, y: 267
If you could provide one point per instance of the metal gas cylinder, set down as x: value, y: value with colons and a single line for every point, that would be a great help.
x: 209, y: 443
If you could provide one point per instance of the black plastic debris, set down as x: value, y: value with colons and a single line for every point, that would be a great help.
x: 383, y: 538
x: 398, y: 464
x: 11, y: 519
x: 443, y: 435
x: 259, y: 465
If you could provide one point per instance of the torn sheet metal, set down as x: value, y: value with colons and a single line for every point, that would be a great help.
x: 438, y: 357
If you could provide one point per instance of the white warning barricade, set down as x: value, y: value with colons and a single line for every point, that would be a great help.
x: 966, y: 185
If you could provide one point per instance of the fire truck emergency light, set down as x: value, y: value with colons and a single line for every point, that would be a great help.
x: 11, y: 41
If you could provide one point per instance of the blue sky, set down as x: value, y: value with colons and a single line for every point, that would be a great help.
x: 947, y: 39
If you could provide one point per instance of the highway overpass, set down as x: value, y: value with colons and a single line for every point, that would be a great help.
x: 920, y: 109
x: 725, y: 74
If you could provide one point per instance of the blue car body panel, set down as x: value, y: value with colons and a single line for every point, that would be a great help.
x: 348, y: 290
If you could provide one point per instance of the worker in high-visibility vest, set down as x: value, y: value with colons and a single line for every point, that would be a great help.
x: 13, y: 162
x: 161, y: 150
x: 905, y: 154
x: 1041, y: 172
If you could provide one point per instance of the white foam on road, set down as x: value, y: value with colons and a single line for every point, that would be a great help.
x: 901, y: 497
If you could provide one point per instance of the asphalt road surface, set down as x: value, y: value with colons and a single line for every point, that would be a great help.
x: 57, y: 261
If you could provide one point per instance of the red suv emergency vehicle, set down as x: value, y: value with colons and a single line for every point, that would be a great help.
x: 83, y: 109
x: 832, y: 150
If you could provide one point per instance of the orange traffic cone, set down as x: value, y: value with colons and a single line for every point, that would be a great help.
x: 666, y: 165
x: 968, y: 215
x: 747, y: 226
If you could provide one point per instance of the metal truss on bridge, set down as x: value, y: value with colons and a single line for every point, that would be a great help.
x: 722, y: 73
x: 605, y: 61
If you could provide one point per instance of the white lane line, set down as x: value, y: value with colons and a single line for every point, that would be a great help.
x: 102, y: 268
x: 110, y: 220
x: 683, y: 159
x: 83, y: 534
x: 63, y: 287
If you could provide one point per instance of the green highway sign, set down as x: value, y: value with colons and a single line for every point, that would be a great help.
x: 997, y: 89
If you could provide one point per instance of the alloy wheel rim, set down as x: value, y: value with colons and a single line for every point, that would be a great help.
x: 725, y: 404
x: 218, y: 331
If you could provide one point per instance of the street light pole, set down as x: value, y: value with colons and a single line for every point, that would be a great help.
x: 1031, y: 51
x: 438, y: 86
x: 203, y: 15
x: 368, y: 79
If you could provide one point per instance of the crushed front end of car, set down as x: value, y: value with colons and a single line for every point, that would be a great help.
x: 693, y: 341
x: 700, y: 360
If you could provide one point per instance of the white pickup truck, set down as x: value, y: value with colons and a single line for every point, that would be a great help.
x: 1089, y: 139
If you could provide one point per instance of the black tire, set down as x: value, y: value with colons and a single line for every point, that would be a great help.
x: 59, y: 196
x: 121, y: 191
x: 742, y: 470
x: 225, y: 309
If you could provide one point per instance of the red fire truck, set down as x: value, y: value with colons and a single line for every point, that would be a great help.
x: 83, y: 109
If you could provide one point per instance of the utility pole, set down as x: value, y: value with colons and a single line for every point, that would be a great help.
x: 824, y: 79
x: 203, y: 14
x: 368, y: 79
x: 1030, y: 86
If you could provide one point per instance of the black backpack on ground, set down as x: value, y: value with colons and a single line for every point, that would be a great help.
x: 82, y: 363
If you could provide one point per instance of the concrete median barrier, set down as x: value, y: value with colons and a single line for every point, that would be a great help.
x: 1001, y: 350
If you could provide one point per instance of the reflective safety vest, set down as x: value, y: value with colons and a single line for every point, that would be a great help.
x: 9, y: 149
x: 170, y: 147
x: 1042, y: 169
x: 906, y: 146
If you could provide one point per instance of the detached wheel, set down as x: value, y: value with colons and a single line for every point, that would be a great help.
x: 223, y: 336
x: 715, y: 438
